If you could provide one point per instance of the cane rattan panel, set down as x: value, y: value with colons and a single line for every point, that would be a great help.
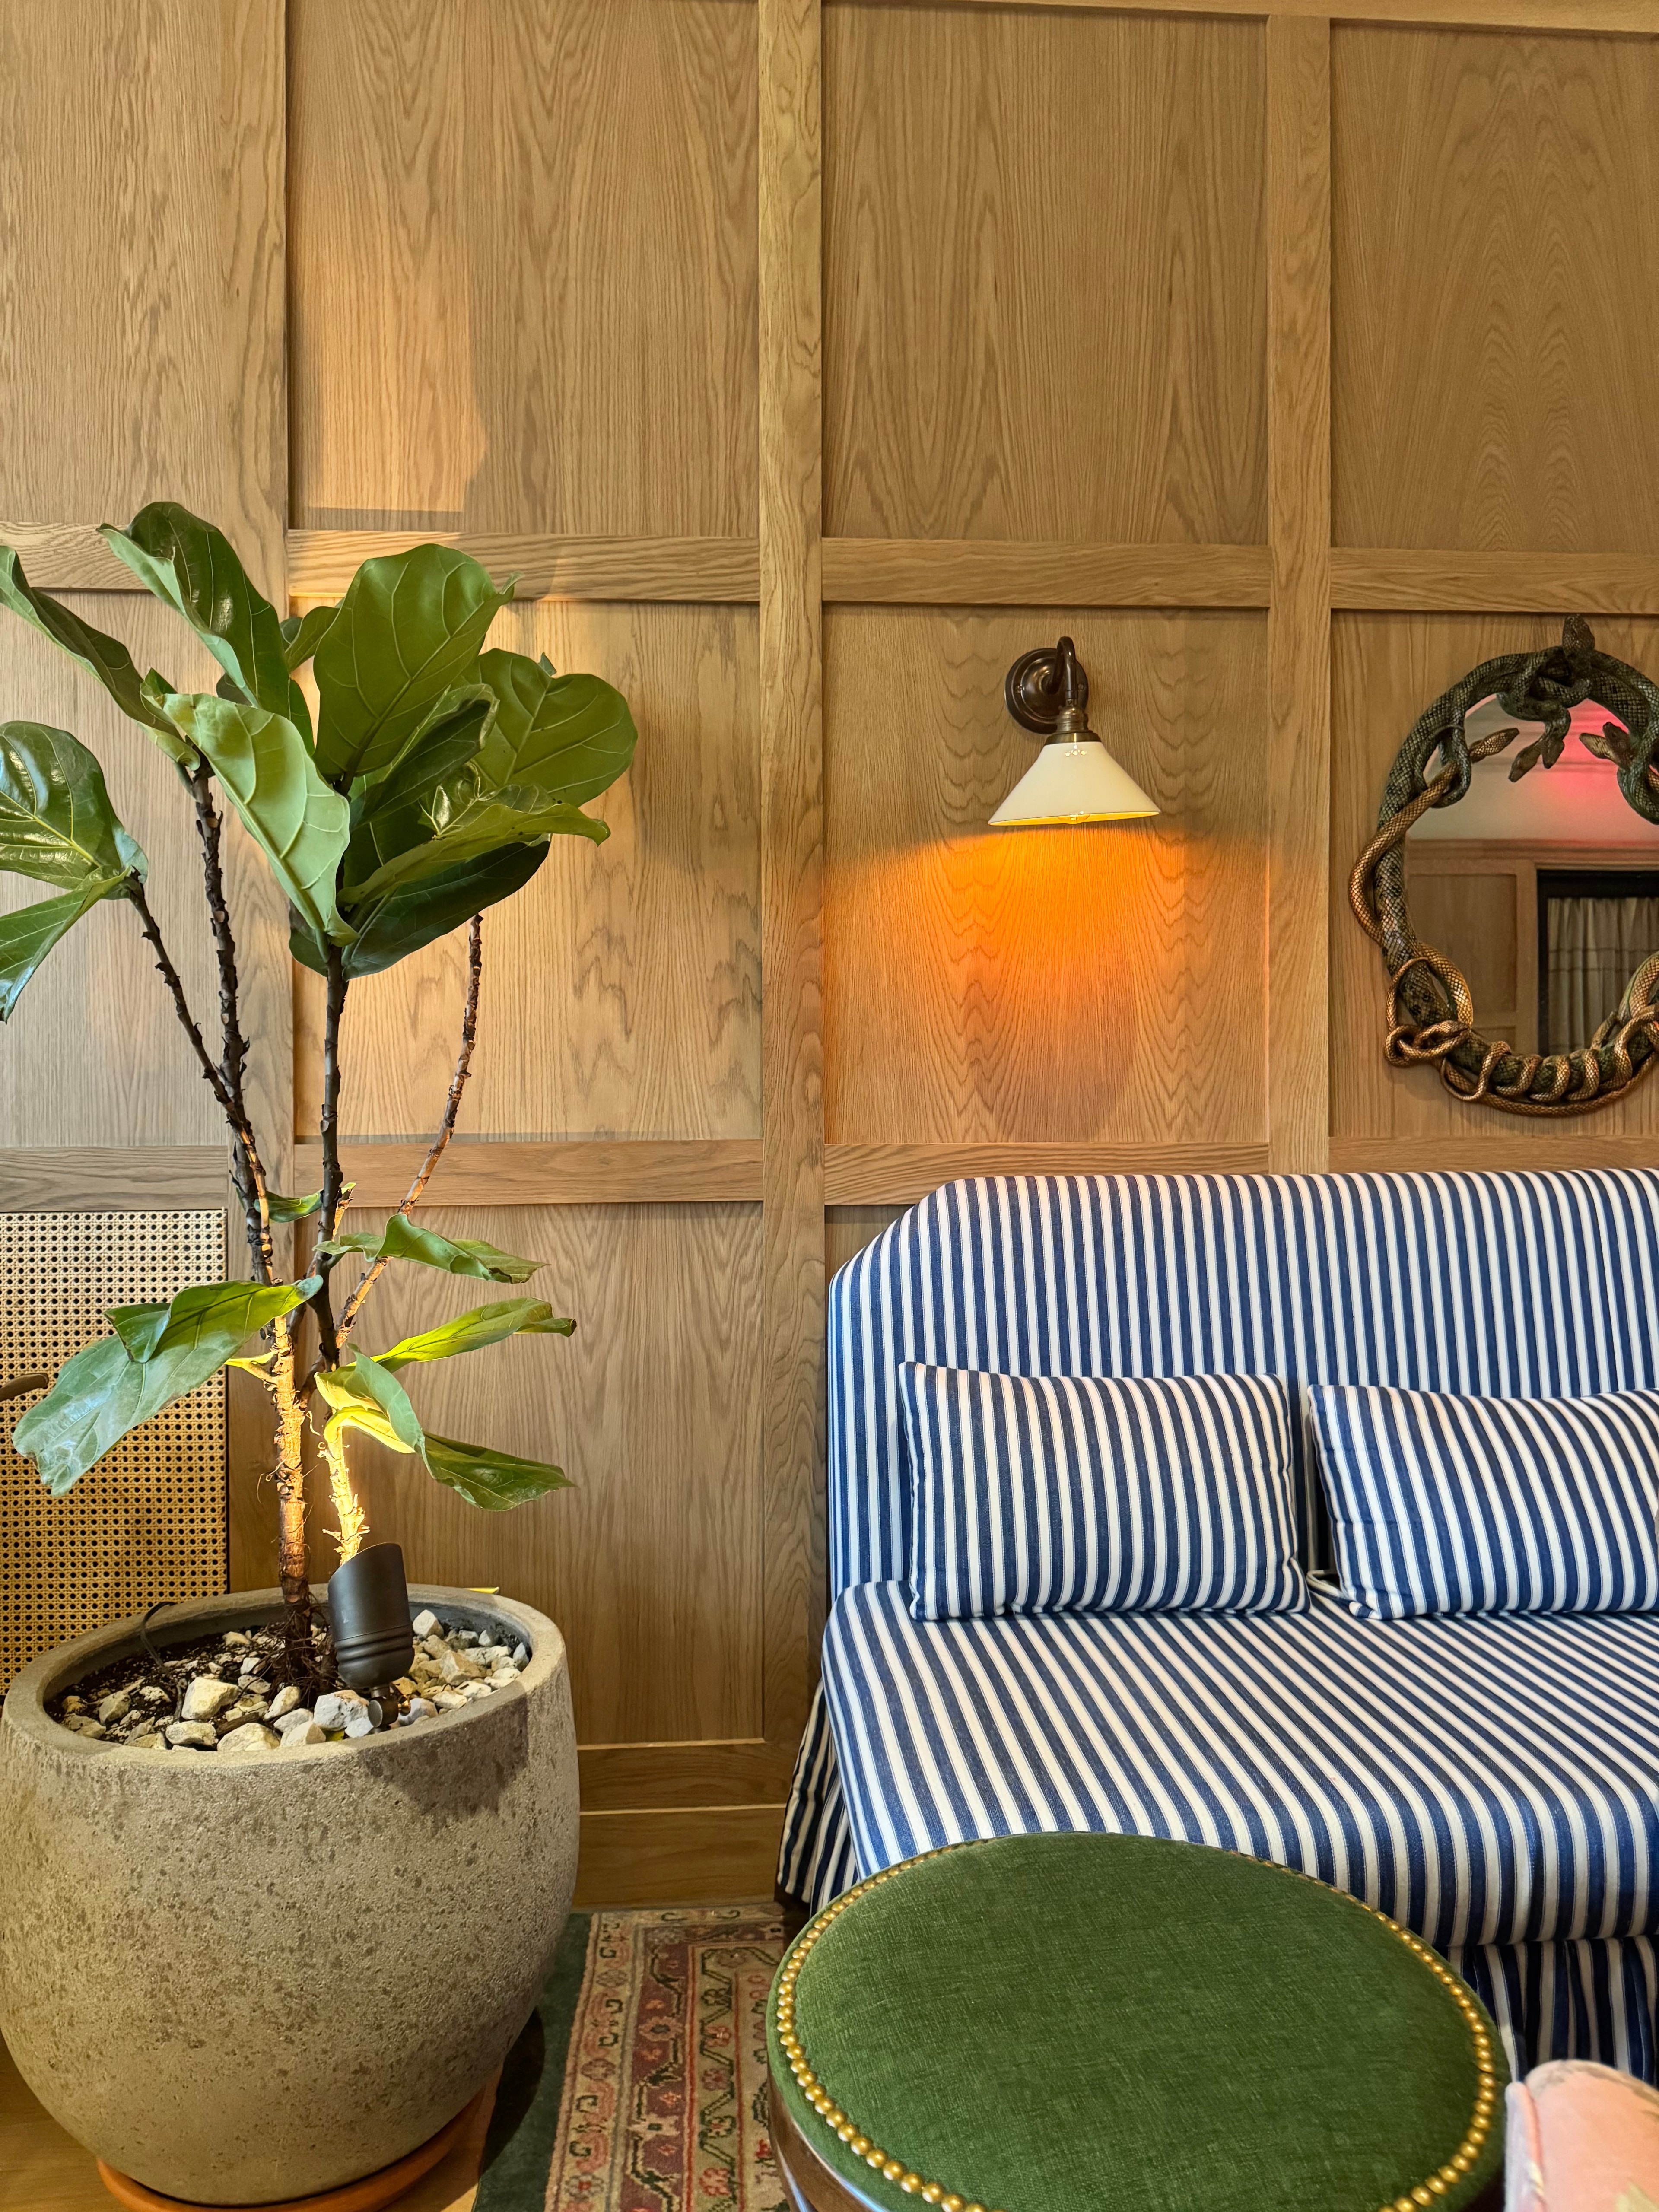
x: 150, y: 1521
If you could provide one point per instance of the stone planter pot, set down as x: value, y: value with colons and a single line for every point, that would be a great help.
x: 244, y: 1982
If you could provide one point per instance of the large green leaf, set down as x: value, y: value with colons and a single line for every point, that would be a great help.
x: 204, y: 1311
x: 480, y: 1327
x: 56, y: 823
x: 265, y: 766
x: 390, y: 929
x: 303, y: 633
x: 365, y: 1397
x: 194, y: 567
x: 408, y: 629
x: 104, y: 1391
x: 494, y: 1481
x: 451, y: 798
x: 465, y: 825
x: 28, y: 935
x: 107, y: 657
x: 395, y: 808
x: 569, y: 737
x: 401, y: 1240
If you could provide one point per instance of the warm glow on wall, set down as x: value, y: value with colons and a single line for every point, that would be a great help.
x: 1073, y: 779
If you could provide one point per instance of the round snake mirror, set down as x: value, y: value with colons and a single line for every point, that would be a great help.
x: 1432, y: 1018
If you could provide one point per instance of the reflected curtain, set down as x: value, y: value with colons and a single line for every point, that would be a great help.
x: 1595, y: 946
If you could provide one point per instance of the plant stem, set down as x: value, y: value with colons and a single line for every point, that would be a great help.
x: 170, y: 977
x: 354, y: 1522
x: 354, y: 1304
x: 251, y: 1179
x: 323, y: 1303
x: 250, y: 1176
x: 291, y: 1508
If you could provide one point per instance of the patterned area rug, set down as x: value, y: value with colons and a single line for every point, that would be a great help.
x: 639, y: 2085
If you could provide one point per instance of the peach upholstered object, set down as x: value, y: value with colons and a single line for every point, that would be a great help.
x: 1581, y: 2138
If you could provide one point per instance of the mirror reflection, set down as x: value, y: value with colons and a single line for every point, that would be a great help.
x: 1544, y: 890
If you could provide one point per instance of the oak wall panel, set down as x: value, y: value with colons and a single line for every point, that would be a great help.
x: 94, y: 1055
x: 849, y: 1229
x: 986, y: 986
x: 1496, y: 327
x: 523, y: 243
x: 1044, y: 282
x: 141, y: 238
x: 622, y: 987
x: 652, y: 1563
x: 1386, y: 669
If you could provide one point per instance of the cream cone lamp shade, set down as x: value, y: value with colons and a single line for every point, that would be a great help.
x: 1073, y: 779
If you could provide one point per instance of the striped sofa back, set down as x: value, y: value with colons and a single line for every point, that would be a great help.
x: 1517, y: 1284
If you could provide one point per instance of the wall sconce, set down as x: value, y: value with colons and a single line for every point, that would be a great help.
x: 1073, y: 778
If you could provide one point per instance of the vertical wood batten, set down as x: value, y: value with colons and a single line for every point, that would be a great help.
x: 253, y: 250
x: 1298, y: 620
x: 792, y: 848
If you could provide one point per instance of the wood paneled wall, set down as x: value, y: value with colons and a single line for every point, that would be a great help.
x: 811, y: 361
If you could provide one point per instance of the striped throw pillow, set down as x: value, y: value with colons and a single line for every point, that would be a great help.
x: 1059, y: 1494
x: 1449, y: 1504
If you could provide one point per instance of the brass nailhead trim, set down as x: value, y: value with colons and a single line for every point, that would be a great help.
x: 847, y: 2130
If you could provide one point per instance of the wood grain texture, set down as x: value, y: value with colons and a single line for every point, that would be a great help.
x: 1044, y: 322
x: 585, y: 1172
x: 1298, y: 623
x: 619, y: 1777
x: 651, y: 1566
x: 76, y: 1179
x: 715, y: 1856
x: 899, y: 1175
x: 141, y: 321
x: 1635, y: 15
x: 67, y: 557
x: 322, y: 562
x: 1094, y: 986
x: 1496, y: 328
x: 1502, y: 583
x: 1385, y: 670
x: 1511, y: 1144
x: 1000, y: 573
x: 849, y: 1229
x: 621, y: 986
x: 688, y: 1171
x: 524, y: 264
x: 792, y: 850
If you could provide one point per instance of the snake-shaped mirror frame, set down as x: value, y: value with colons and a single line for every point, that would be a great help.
x: 1430, y: 1009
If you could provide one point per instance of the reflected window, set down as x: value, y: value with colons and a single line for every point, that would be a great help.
x: 1595, y: 927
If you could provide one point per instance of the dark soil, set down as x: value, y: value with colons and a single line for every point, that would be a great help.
x: 179, y: 1664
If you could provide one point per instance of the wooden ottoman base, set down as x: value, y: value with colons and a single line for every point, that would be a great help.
x: 811, y: 2186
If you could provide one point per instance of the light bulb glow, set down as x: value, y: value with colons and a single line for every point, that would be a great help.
x: 1073, y: 779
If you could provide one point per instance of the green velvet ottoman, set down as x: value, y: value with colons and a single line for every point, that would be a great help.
x: 1057, y: 2023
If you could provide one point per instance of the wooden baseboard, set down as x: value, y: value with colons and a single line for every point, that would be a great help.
x: 703, y: 1855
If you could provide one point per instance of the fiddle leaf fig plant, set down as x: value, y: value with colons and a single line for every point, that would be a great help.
x: 429, y: 788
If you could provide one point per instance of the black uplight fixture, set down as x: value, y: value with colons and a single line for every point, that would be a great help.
x: 1073, y: 778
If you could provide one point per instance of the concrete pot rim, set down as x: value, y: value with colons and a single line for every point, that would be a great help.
x: 25, y: 1707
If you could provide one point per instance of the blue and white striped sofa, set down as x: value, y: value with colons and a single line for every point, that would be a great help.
x: 1491, y: 1782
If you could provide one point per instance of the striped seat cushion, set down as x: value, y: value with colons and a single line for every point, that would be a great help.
x: 1059, y: 1494
x: 1489, y: 1782
x: 1442, y: 1504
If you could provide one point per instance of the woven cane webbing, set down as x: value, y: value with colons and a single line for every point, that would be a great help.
x: 150, y: 1520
